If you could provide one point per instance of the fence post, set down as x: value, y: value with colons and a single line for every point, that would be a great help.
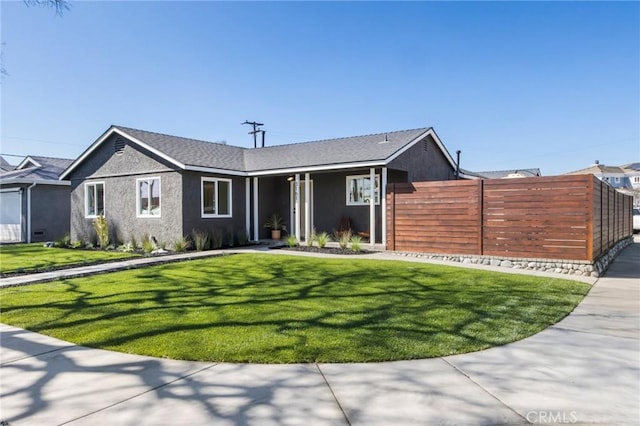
x: 601, y: 222
x: 391, y: 216
x: 590, y: 218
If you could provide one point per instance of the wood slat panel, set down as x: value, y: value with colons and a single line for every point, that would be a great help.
x: 560, y: 217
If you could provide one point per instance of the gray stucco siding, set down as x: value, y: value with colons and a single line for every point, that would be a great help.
x: 105, y: 162
x: 50, y: 207
x: 192, y: 205
x: 423, y: 164
x: 120, y: 198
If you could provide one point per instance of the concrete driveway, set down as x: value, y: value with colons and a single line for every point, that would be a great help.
x: 585, y: 369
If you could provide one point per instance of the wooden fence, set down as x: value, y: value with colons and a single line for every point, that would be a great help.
x: 575, y: 217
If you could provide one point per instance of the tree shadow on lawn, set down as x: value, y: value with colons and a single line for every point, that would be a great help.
x: 343, y: 315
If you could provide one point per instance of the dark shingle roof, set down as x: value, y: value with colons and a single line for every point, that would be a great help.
x: 49, y: 169
x: 375, y: 147
x: 191, y: 152
x: 185, y: 152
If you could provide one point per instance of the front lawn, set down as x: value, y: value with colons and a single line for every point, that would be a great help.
x: 283, y: 309
x: 17, y: 258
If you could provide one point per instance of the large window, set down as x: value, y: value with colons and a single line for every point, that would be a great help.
x: 359, y: 190
x: 148, y: 196
x: 216, y: 197
x: 94, y: 199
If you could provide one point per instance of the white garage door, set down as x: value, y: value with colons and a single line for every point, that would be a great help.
x: 10, y: 216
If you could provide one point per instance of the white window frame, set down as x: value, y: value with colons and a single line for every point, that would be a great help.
x: 147, y: 215
x: 215, y: 180
x: 365, y: 200
x: 87, y: 185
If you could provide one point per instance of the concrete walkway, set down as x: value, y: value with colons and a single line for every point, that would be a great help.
x: 585, y: 369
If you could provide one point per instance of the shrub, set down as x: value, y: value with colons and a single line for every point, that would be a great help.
x: 291, y: 240
x: 102, y: 231
x: 243, y: 238
x: 322, y: 239
x: 181, y: 244
x: 127, y: 248
x: 216, y: 239
x: 343, y: 239
x: 148, y: 245
x: 134, y: 242
x: 311, y: 238
x: 231, y: 238
x: 200, y: 240
x: 64, y: 241
x: 356, y: 240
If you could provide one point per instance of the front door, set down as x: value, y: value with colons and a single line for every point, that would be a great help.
x: 303, y: 197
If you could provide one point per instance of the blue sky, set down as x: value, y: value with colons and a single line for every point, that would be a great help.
x: 510, y: 84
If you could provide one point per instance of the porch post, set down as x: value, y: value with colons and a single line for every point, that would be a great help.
x: 307, y: 207
x: 383, y: 204
x: 256, y: 236
x: 297, y: 208
x: 247, y: 206
x: 372, y: 207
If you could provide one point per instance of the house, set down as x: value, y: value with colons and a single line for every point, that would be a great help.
x: 34, y: 203
x: 167, y: 186
x: 632, y: 171
x: 620, y: 178
x: 501, y: 174
x: 613, y: 175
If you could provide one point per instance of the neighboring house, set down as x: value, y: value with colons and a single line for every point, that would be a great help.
x: 167, y: 186
x: 619, y: 178
x: 5, y: 166
x: 613, y: 175
x: 501, y: 174
x: 34, y: 203
x: 633, y: 173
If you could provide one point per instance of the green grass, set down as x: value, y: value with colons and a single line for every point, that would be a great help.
x: 35, y: 257
x: 283, y: 309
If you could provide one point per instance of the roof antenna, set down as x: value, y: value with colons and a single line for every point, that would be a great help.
x: 255, y: 132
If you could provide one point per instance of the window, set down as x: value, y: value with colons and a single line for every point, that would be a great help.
x: 216, y: 197
x: 148, y: 196
x: 94, y: 199
x: 359, y: 190
x: 636, y: 179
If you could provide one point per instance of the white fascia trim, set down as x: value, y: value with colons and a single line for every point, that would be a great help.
x: 37, y: 181
x: 27, y: 159
x: 317, y: 168
x: 470, y: 177
x: 435, y: 137
x: 215, y: 170
x: 104, y: 137
x: 10, y: 189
